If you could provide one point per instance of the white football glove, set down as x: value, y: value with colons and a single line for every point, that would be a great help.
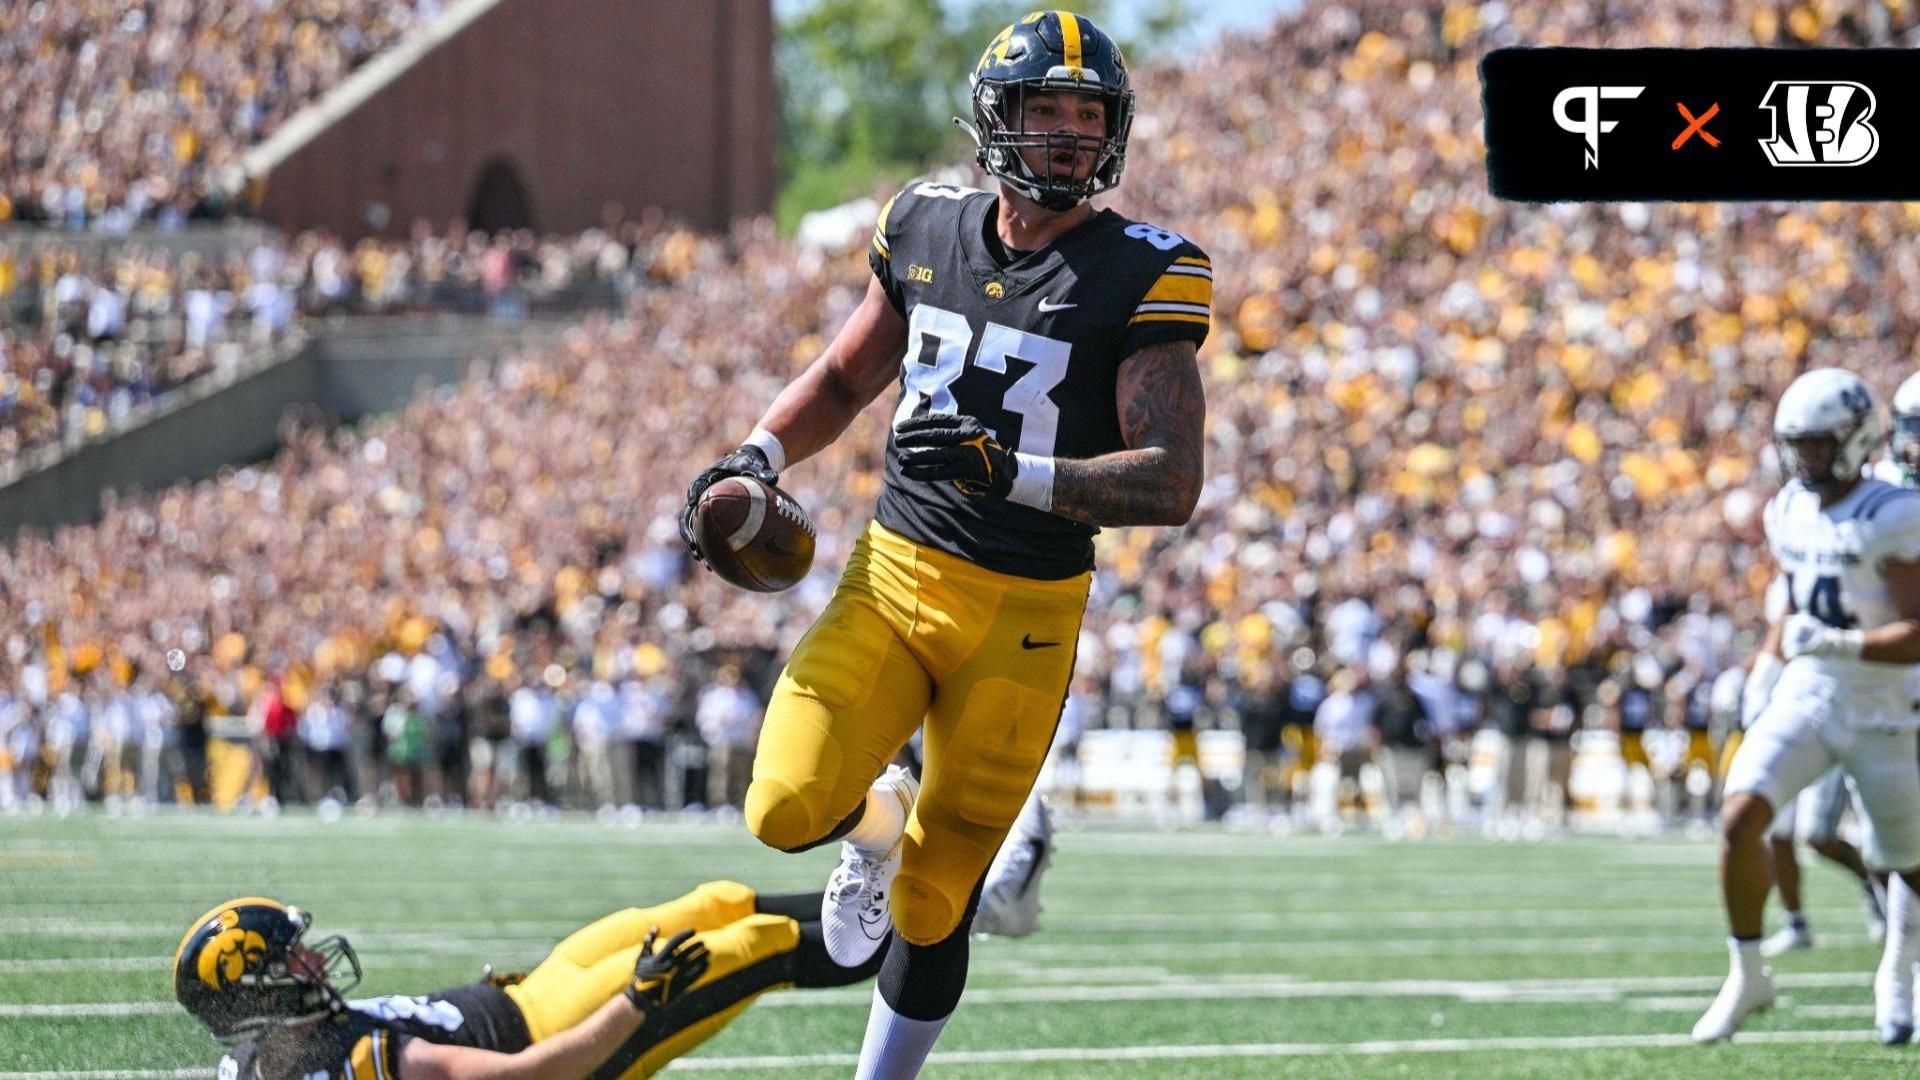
x: 1804, y: 635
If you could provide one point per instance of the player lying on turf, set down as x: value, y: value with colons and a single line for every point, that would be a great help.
x: 607, y: 1003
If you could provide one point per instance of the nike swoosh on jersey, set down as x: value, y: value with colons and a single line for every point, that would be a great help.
x: 1027, y: 642
x: 1048, y: 306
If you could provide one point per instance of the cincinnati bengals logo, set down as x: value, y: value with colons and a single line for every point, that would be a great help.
x: 1824, y: 123
x: 229, y: 954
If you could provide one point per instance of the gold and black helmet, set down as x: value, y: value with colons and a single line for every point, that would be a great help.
x: 1050, y: 51
x: 242, y: 968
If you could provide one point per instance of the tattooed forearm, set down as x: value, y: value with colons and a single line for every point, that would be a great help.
x: 1127, y: 488
x: 1156, y: 480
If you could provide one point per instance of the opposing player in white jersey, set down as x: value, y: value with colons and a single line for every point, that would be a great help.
x: 1834, y: 674
x: 1901, y: 464
x: 1814, y: 819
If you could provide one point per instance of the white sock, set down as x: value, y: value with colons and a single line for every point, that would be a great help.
x: 895, y: 1047
x: 1746, y: 956
x: 880, y: 827
x: 1893, y: 982
x: 1903, y: 924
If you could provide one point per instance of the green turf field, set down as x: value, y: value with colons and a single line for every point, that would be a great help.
x: 1162, y: 954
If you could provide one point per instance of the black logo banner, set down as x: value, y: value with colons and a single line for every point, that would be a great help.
x: 1702, y: 125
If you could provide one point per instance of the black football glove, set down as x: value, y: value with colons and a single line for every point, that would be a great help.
x: 660, y: 978
x: 959, y: 449
x: 501, y: 979
x: 746, y: 461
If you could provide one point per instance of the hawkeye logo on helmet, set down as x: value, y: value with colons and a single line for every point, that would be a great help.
x: 996, y: 50
x: 228, y: 954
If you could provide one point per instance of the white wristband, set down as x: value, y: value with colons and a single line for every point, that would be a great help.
x: 1033, y: 484
x: 1848, y: 643
x: 769, y: 444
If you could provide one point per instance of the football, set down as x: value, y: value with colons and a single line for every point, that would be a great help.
x: 753, y: 535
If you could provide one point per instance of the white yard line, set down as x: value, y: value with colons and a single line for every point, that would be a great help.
x: 1061, y: 918
x: 1859, y: 1011
x: 89, y: 1010
x: 1025, y: 960
x: 1267, y: 1050
x: 1373, y: 921
x: 1195, y: 987
x: 1436, y: 947
x: 53, y: 964
x: 112, y: 1074
x: 1267, y: 987
x: 1039, y: 1054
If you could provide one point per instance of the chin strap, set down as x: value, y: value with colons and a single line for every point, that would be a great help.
x: 1047, y: 200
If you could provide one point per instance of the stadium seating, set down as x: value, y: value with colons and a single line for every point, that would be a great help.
x: 1521, y: 447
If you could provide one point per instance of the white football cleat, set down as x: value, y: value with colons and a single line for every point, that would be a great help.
x: 1789, y: 938
x: 1740, y: 996
x: 1010, y: 902
x: 854, y: 913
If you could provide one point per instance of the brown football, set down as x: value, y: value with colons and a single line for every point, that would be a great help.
x: 753, y: 535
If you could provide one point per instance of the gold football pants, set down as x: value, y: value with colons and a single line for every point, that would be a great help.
x: 595, y: 964
x: 916, y: 636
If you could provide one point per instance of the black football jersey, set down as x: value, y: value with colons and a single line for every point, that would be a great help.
x: 363, y: 1043
x: 1030, y: 348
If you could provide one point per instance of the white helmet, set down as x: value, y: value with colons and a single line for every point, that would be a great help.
x: 1833, y: 404
x: 1906, y: 429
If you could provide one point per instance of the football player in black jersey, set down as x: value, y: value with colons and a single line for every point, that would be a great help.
x: 1045, y: 354
x: 607, y: 1003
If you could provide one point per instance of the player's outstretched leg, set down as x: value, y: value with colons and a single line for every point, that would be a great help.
x: 1743, y: 883
x: 855, y: 912
x: 918, y: 990
x: 1797, y: 933
x: 1893, y: 981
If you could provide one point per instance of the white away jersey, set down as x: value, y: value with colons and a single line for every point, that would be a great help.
x: 1831, y: 557
x: 1890, y: 471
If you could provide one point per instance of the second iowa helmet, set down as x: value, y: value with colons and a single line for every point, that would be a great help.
x: 242, y: 968
x: 1050, y: 51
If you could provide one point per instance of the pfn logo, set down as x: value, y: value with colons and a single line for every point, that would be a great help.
x: 1826, y: 124
x: 1589, y: 125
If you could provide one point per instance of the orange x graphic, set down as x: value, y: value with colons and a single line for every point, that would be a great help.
x: 1697, y: 125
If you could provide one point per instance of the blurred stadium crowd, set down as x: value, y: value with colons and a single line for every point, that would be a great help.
x: 122, y: 111
x: 1474, y: 467
x: 91, y: 335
